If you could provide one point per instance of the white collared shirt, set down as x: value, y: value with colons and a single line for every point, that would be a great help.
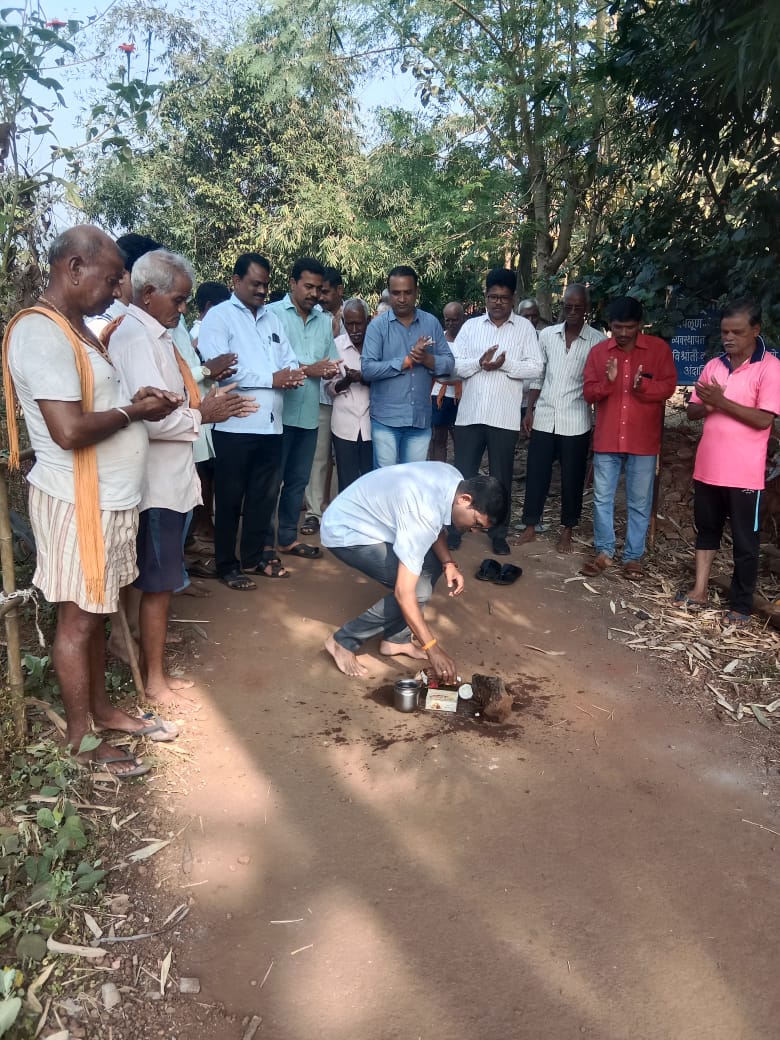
x: 350, y: 407
x: 495, y: 398
x: 262, y: 347
x: 142, y: 351
x: 561, y: 407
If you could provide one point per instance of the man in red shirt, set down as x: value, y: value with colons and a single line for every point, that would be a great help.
x: 628, y: 377
x: 738, y: 397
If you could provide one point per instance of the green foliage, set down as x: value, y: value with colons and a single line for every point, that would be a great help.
x: 697, y: 217
x: 36, y: 170
x: 45, y: 862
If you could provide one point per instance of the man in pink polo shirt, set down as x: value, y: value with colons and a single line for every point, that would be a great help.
x: 738, y: 396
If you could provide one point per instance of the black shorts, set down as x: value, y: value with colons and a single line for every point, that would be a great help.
x: 160, y: 549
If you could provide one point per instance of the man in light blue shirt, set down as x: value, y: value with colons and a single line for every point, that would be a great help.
x: 310, y: 333
x: 404, y: 350
x: 249, y: 454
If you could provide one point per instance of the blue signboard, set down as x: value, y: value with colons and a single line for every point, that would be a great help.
x: 689, y: 349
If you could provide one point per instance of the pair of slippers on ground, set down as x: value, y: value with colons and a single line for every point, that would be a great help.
x: 732, y: 617
x: 156, y: 729
x: 491, y: 570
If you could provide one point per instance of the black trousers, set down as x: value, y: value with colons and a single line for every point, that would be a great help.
x: 712, y: 506
x: 572, y: 453
x: 246, y: 479
x: 353, y: 459
x: 470, y: 445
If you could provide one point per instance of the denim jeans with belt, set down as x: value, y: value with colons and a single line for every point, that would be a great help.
x: 384, y: 618
x: 640, y: 477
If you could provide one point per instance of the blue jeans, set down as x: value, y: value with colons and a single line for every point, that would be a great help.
x: 380, y: 563
x: 298, y: 446
x: 640, y: 477
x: 394, y: 444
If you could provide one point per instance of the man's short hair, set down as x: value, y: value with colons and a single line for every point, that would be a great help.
x: 625, y: 308
x: 159, y: 269
x: 579, y: 288
x: 306, y: 263
x: 332, y: 276
x: 133, y: 247
x: 502, y: 277
x: 526, y: 305
x: 403, y: 271
x: 743, y: 305
x: 245, y: 261
x: 210, y: 294
x: 488, y: 495
x: 354, y: 303
x: 80, y: 239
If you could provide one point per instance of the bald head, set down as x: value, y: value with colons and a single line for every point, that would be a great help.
x: 454, y: 316
x: 84, y: 241
x: 85, y: 270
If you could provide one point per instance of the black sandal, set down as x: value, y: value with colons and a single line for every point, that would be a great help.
x: 237, y: 581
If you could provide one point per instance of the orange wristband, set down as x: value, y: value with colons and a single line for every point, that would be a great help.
x: 428, y: 646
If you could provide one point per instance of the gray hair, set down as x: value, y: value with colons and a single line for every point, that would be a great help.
x: 525, y: 304
x: 577, y: 287
x: 354, y: 302
x: 159, y: 268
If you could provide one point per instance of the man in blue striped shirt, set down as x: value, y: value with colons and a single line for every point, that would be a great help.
x: 403, y: 351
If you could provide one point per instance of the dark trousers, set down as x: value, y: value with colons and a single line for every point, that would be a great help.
x: 246, y: 478
x: 712, y: 506
x: 384, y: 618
x: 572, y: 453
x: 353, y: 459
x: 470, y: 444
x: 298, y: 447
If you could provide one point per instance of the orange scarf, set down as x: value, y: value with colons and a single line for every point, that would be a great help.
x: 190, y: 385
x: 89, y: 528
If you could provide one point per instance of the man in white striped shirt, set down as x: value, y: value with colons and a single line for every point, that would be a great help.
x: 559, y: 418
x: 494, y: 354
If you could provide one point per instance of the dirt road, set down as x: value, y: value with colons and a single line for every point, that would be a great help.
x: 584, y: 871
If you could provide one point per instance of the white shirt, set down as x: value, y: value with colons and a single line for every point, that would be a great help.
x: 350, y: 407
x: 495, y: 398
x: 405, y: 506
x: 142, y: 351
x: 99, y: 322
x: 262, y: 347
x: 43, y: 368
x: 561, y: 407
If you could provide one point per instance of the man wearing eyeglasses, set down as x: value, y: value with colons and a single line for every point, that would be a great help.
x: 494, y: 355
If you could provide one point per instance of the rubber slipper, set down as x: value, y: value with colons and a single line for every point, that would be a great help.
x: 237, y: 581
x: 157, y: 729
x: 501, y: 547
x: 509, y: 574
x: 592, y: 568
x: 682, y: 600
x: 306, y: 552
x: 276, y: 566
x: 200, y: 547
x: 310, y: 525
x: 140, y: 768
x: 733, y: 617
x: 489, y: 570
x: 633, y: 571
x: 201, y: 569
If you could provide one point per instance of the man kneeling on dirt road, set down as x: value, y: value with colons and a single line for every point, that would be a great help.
x: 391, y: 525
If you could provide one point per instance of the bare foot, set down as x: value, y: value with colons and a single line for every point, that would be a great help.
x: 564, y: 545
x: 176, y: 684
x: 346, y: 661
x: 166, y: 693
x: 528, y: 535
x: 120, y: 721
x: 402, y: 650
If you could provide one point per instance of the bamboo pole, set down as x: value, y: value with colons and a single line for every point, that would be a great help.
x: 13, y: 642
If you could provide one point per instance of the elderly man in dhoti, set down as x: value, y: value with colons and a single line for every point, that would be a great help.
x: 90, y: 447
